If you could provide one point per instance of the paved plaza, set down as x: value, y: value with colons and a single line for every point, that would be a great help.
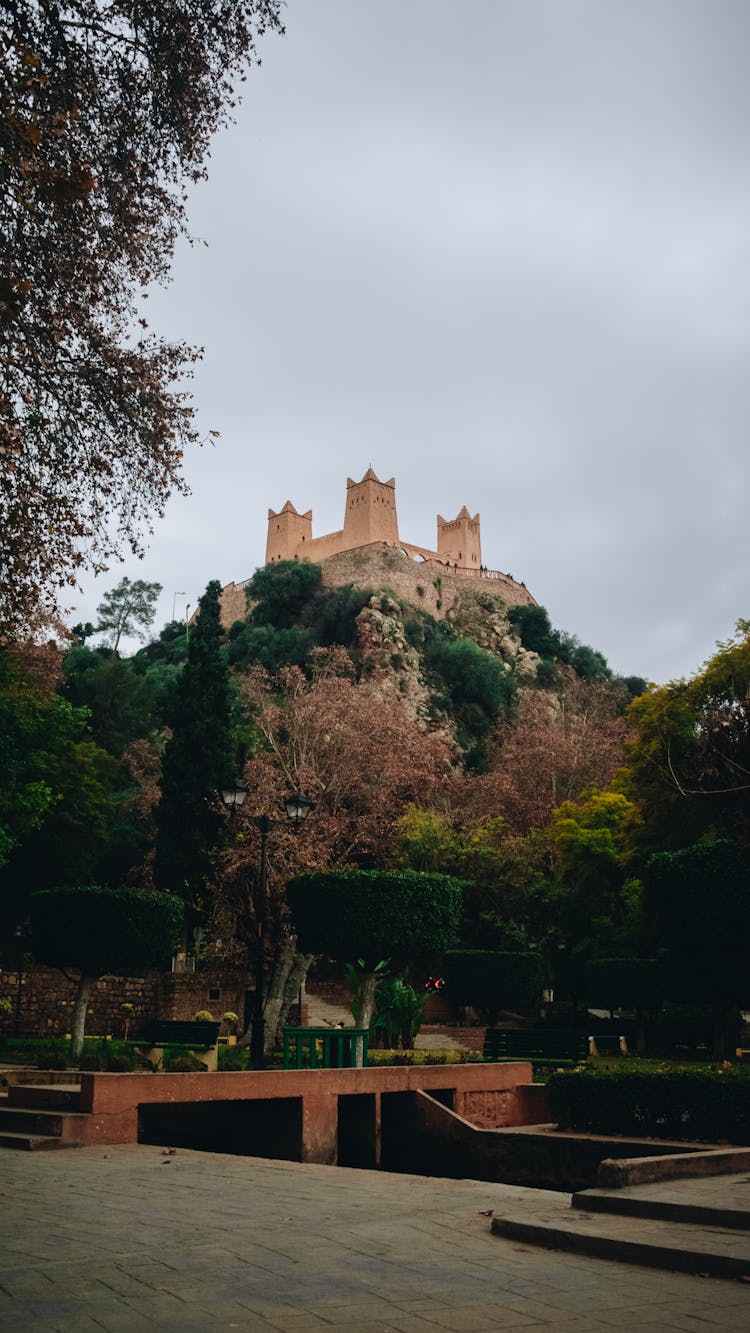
x: 127, y: 1238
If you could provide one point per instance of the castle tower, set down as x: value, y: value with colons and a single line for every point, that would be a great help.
x: 458, y: 540
x: 370, y: 514
x: 288, y: 533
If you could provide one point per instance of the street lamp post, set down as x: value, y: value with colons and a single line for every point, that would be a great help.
x: 19, y: 934
x: 297, y: 808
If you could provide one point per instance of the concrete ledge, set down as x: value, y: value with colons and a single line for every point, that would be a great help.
x: 666, y: 1210
x: 691, y: 1255
x: 677, y: 1166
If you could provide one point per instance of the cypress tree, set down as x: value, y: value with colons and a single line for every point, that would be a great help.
x: 197, y: 763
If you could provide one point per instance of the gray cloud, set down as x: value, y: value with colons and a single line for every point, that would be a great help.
x: 501, y: 252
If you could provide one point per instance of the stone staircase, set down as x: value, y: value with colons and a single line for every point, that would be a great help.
x: 36, y: 1116
x: 694, y: 1233
x: 323, y: 1013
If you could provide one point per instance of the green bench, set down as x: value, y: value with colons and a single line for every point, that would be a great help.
x: 545, y: 1046
x: 324, y: 1048
x: 183, y: 1037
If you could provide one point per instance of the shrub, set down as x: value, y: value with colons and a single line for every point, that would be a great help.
x: 232, y: 1059
x: 374, y: 914
x: 379, y: 1058
x: 120, y: 1064
x: 51, y: 1060
x: 90, y: 1062
x: 336, y: 614
x: 269, y: 646
x: 203, y: 1016
x: 181, y: 1064
x: 682, y: 1103
x: 283, y: 591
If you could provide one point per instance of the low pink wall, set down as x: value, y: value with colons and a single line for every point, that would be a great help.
x: 112, y: 1100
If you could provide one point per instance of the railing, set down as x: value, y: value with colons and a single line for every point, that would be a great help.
x: 325, y: 1048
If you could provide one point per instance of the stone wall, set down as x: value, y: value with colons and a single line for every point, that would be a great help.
x: 233, y: 603
x: 379, y: 565
x: 47, y: 998
x: 421, y: 585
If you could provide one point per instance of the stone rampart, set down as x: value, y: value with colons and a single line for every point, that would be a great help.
x: 434, y: 589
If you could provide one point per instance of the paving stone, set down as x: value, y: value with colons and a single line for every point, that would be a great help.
x: 239, y: 1242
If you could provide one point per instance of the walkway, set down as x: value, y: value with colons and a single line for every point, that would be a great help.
x: 127, y: 1238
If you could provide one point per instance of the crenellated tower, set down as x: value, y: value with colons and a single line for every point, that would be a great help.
x: 458, y: 540
x: 370, y: 514
x: 288, y: 532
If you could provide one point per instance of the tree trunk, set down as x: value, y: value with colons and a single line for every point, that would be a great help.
x: 297, y: 973
x: 367, y: 999
x: 275, y: 993
x: 78, y: 1024
x: 718, y: 1034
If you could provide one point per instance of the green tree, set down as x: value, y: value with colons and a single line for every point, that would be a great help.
x: 284, y: 592
x: 102, y: 931
x: 479, y: 688
x: 490, y: 981
x: 121, y: 703
x: 128, y: 609
x: 198, y: 762
x: 66, y: 847
x: 699, y: 898
x: 688, y: 769
x: 374, y: 915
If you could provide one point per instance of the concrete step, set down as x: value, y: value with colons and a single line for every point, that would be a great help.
x: 19, y: 1119
x: 632, y: 1203
x: 30, y: 1142
x: 720, y: 1252
x: 46, y: 1096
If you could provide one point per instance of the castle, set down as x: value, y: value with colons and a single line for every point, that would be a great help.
x: 370, y: 517
x: 368, y: 548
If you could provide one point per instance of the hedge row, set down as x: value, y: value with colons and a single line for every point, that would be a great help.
x: 697, y: 1103
x: 376, y: 1059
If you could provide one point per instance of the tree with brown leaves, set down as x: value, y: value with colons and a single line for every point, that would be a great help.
x: 108, y: 110
x: 554, y: 747
x: 360, y: 758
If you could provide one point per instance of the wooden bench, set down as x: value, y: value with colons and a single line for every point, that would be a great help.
x: 545, y: 1046
x: 605, y: 1043
x: 188, y: 1036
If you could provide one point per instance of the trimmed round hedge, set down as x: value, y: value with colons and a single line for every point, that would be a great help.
x: 104, y: 931
x: 374, y: 914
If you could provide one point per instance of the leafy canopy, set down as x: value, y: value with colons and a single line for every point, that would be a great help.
x: 104, y: 931
x: 128, y: 609
x: 374, y: 914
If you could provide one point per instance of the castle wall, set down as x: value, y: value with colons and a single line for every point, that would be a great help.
x: 233, y: 604
x: 420, y: 583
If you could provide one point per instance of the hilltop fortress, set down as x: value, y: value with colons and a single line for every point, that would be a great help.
x: 369, y: 549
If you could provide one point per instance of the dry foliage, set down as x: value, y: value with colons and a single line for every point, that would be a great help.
x: 108, y: 111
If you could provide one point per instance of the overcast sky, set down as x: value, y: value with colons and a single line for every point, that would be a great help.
x: 502, y: 252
